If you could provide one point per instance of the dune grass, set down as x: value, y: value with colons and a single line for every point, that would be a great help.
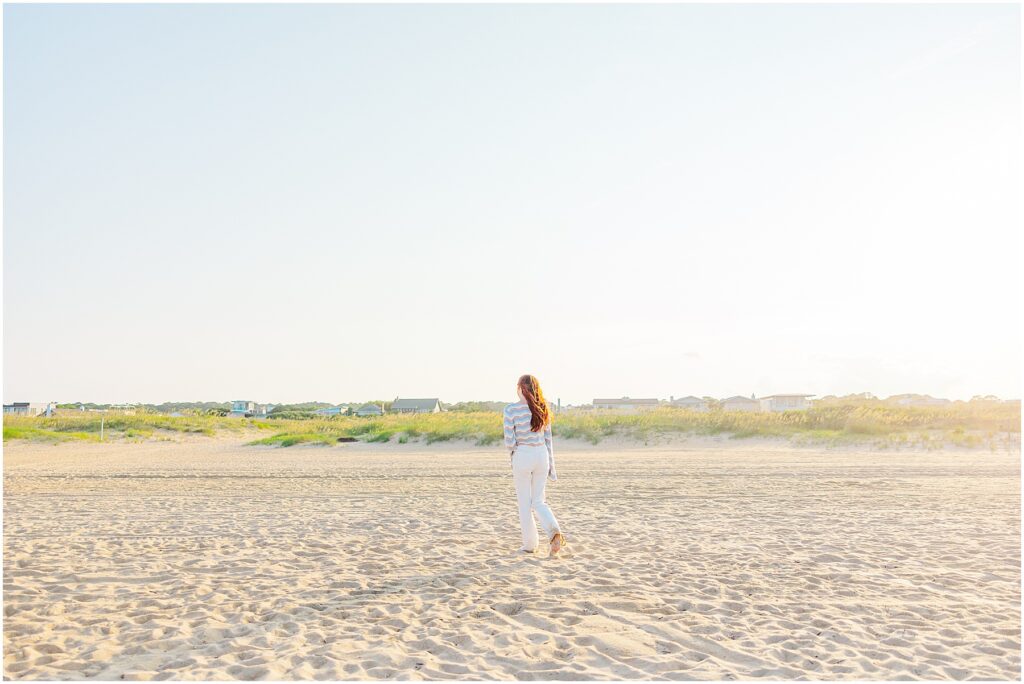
x: 85, y: 426
x: 287, y: 439
x: 43, y: 435
x: 965, y: 424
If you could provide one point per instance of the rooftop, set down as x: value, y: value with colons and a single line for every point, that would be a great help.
x: 426, y: 404
x: 625, y: 400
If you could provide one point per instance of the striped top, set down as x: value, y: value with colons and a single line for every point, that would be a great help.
x: 518, y: 432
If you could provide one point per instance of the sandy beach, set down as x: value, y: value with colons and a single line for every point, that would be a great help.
x: 211, y: 559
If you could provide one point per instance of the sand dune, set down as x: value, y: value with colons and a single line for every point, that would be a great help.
x: 210, y: 559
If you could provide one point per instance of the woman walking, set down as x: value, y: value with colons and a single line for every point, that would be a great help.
x: 528, y: 437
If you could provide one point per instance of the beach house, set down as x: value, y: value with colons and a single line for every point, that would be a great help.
x: 690, y: 403
x: 329, y: 411
x: 29, y: 408
x: 917, y: 400
x: 416, y: 405
x: 786, y: 402
x: 248, y: 409
x: 739, y: 403
x: 370, y: 410
x: 626, y: 404
x: 242, y: 408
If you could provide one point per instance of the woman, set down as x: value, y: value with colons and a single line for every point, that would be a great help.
x: 528, y: 437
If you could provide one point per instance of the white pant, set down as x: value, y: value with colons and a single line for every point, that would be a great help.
x: 529, y: 473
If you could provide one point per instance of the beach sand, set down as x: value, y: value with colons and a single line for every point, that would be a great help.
x: 215, y: 560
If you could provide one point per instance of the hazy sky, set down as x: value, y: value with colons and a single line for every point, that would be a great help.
x: 287, y: 203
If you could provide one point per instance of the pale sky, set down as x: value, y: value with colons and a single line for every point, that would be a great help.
x: 336, y: 203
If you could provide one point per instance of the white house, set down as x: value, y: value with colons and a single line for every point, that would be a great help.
x: 370, y: 410
x: 416, y: 405
x: 242, y: 408
x: 248, y: 409
x: 691, y: 403
x: 739, y: 403
x: 917, y: 400
x: 29, y: 408
x: 786, y: 402
x: 626, y: 404
x: 329, y: 411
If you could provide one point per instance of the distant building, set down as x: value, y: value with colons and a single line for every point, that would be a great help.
x: 329, y: 411
x: 739, y: 403
x: 416, y: 406
x: 917, y: 400
x: 626, y: 404
x: 249, y: 409
x: 369, y: 410
x: 691, y: 403
x: 786, y: 402
x: 242, y: 409
x: 29, y: 408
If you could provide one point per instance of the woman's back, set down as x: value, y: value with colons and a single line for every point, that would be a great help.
x: 517, y: 427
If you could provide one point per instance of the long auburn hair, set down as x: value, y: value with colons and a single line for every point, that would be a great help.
x: 540, y: 412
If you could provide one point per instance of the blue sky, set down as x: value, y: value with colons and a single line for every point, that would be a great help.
x: 334, y: 202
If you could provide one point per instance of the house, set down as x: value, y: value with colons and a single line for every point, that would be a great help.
x: 917, y: 400
x: 29, y: 408
x: 242, y: 409
x: 370, y: 410
x: 329, y: 411
x: 739, y: 403
x: 691, y: 403
x: 626, y: 404
x: 416, y: 406
x: 250, y: 409
x: 786, y: 402
x: 263, y: 410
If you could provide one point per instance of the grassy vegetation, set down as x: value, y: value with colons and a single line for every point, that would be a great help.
x: 43, y: 435
x: 286, y: 439
x: 86, y: 426
x: 967, y: 424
